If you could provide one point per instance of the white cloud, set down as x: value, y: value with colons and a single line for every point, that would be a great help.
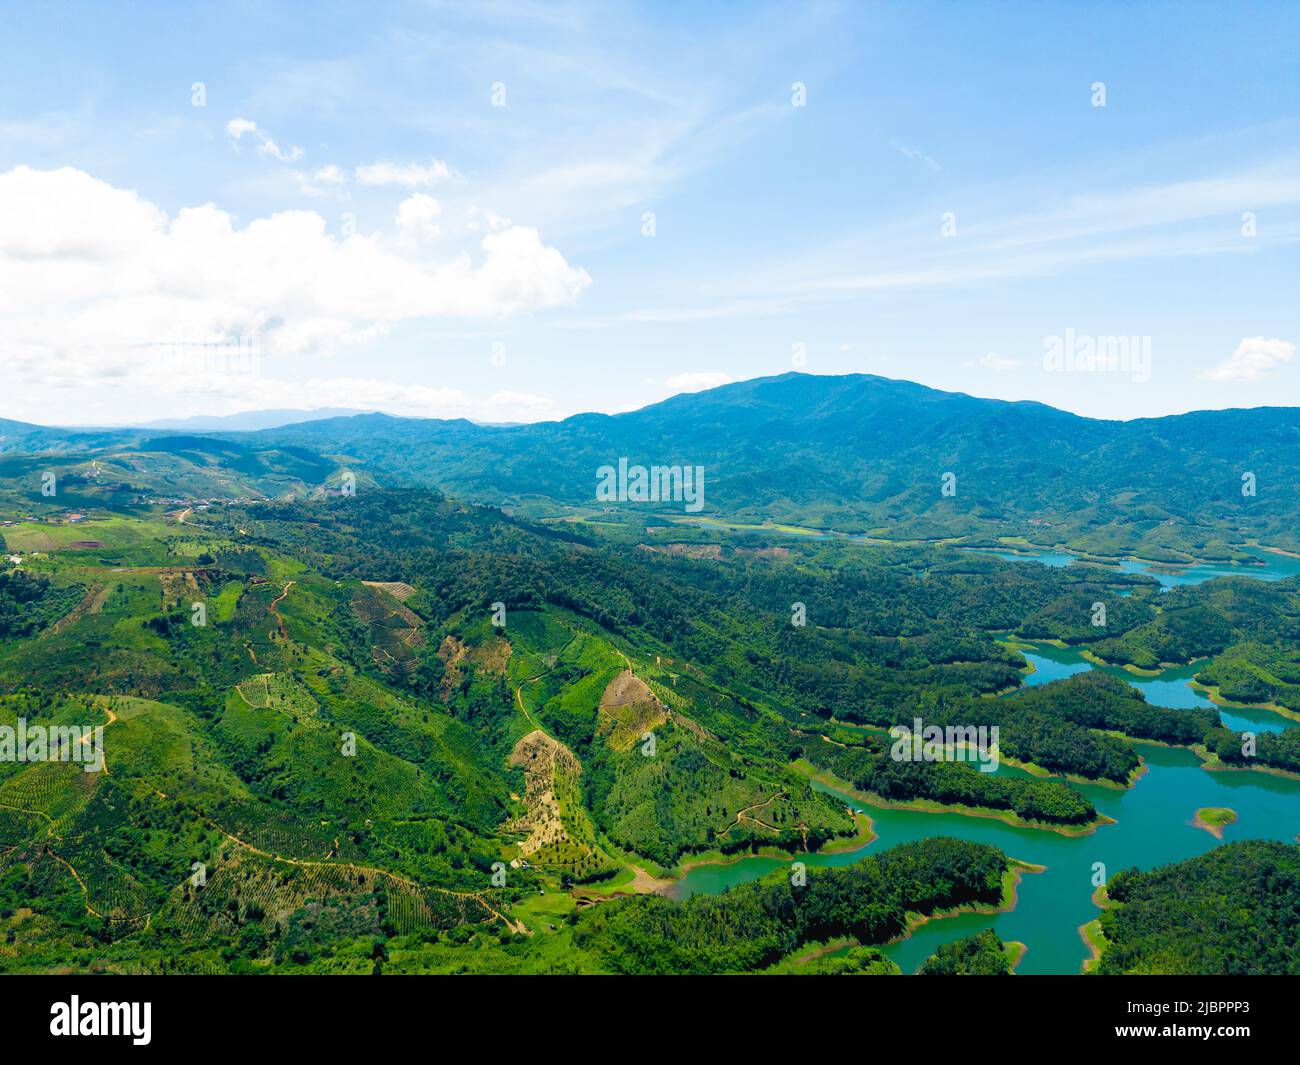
x: 203, y: 385
x: 329, y: 175
x: 997, y: 363
x: 407, y: 175
x: 417, y: 216
x: 208, y: 390
x: 237, y: 128
x: 1004, y: 241
x: 320, y: 181
x: 98, y: 283
x: 916, y: 154
x: 1254, y: 359
x: 697, y: 382
x: 359, y: 393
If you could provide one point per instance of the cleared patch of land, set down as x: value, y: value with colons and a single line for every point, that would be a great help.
x: 713, y: 551
x: 628, y: 710
x: 399, y: 590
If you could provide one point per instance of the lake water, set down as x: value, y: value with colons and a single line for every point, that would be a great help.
x: 1153, y: 826
x: 1274, y: 567
x: 1153, y: 819
x: 1171, y: 688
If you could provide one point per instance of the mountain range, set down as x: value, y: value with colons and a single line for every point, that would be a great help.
x: 858, y: 454
x: 249, y: 421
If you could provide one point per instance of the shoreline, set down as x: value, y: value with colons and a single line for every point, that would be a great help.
x: 1091, y: 934
x: 1214, y: 828
x: 860, y: 840
x: 1042, y: 773
x: 1212, y: 763
x: 1213, y: 694
x: 928, y: 806
x: 1016, y: 870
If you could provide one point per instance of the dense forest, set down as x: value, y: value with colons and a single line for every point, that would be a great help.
x: 982, y: 954
x: 30, y: 603
x: 1230, y: 912
x: 755, y: 925
x: 395, y: 730
x: 870, y: 768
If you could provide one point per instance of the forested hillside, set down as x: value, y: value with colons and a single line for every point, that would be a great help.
x: 854, y: 453
x: 1230, y: 912
x: 867, y: 455
x: 395, y: 731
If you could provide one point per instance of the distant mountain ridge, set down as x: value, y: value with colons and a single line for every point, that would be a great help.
x: 249, y: 421
x: 854, y: 453
x: 866, y: 454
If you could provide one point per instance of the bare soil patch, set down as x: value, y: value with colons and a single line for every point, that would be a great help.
x: 399, y: 590
x: 540, y: 756
x: 713, y: 551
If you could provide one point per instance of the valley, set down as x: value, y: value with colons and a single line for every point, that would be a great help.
x: 406, y: 733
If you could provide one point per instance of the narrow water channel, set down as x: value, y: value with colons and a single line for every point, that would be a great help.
x: 1153, y: 820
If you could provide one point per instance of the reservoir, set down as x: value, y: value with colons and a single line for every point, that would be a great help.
x: 1272, y: 567
x: 1153, y: 826
x: 1152, y: 820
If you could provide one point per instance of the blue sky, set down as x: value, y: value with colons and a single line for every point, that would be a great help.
x: 348, y: 220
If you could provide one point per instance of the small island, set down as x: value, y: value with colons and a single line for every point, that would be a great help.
x: 1214, y: 819
x: 983, y: 954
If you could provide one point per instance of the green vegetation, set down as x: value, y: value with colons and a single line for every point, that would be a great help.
x: 856, y: 961
x: 863, y: 455
x: 1230, y: 912
x: 756, y: 925
x: 982, y: 954
x: 870, y: 768
x: 29, y: 604
x: 1214, y: 819
x: 1266, y: 674
x: 1277, y: 750
x: 327, y: 753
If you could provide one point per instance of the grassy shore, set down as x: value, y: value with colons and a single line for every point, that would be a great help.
x: 1091, y: 933
x: 863, y: 836
x: 1214, y: 764
x: 1215, y: 696
x: 1016, y: 869
x: 929, y: 806
x: 1038, y: 771
x: 1214, y: 819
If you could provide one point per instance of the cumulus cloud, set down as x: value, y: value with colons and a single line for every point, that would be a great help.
x: 329, y: 175
x: 238, y: 128
x: 320, y: 181
x: 997, y: 363
x: 417, y: 216
x: 96, y: 282
x: 1254, y: 359
x: 697, y: 382
x: 407, y: 175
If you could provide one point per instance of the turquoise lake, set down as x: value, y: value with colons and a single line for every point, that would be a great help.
x: 1152, y: 820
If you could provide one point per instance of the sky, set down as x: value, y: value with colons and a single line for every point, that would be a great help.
x: 520, y: 211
